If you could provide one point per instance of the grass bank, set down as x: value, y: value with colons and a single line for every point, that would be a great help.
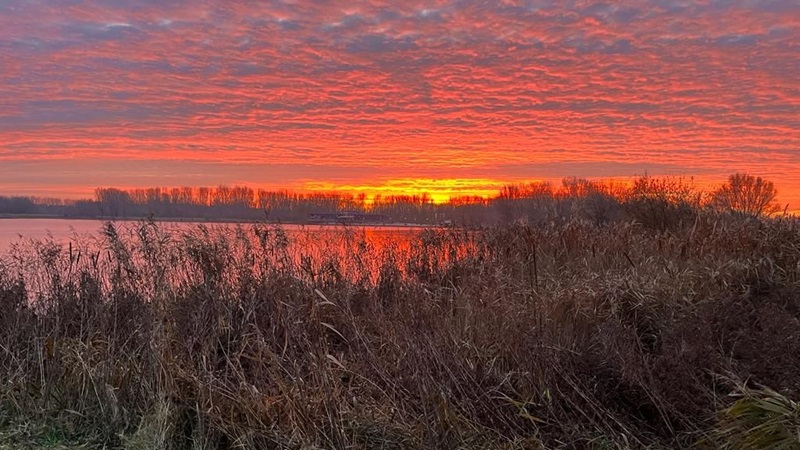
x: 568, y: 335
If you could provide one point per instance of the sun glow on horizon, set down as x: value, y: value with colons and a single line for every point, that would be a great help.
x: 433, y: 190
x: 394, y: 98
x: 439, y: 190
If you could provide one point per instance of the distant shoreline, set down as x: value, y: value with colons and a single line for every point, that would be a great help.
x: 217, y: 220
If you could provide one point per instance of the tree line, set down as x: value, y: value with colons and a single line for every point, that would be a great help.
x: 659, y: 202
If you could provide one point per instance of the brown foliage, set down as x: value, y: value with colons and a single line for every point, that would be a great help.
x: 560, y: 336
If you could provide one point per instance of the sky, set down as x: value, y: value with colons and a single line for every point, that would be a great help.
x: 449, y: 97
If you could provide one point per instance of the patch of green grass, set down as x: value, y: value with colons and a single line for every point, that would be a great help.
x: 36, y: 435
x: 759, y: 419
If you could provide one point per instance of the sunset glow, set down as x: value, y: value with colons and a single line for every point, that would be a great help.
x: 451, y: 98
x: 439, y: 190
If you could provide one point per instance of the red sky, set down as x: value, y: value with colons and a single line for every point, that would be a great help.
x: 450, y: 97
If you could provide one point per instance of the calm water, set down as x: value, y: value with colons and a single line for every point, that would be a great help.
x: 18, y: 231
x: 307, y: 252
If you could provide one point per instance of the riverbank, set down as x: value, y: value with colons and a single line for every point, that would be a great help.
x: 220, y: 220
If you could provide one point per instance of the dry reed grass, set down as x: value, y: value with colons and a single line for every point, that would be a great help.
x: 519, y: 337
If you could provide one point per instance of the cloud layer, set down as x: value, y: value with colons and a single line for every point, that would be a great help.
x: 362, y: 93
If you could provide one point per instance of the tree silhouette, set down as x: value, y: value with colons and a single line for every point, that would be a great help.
x: 748, y: 195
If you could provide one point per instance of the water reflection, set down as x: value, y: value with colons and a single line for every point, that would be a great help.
x: 144, y: 257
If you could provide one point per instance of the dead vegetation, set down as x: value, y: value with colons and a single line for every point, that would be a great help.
x: 568, y: 335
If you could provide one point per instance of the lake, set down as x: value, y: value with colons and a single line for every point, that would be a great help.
x: 21, y: 230
x: 61, y: 230
x: 48, y: 255
x: 39, y: 250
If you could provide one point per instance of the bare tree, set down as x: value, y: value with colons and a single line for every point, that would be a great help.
x: 664, y: 203
x: 113, y: 202
x: 746, y: 194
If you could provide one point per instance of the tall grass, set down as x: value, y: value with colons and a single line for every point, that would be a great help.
x: 573, y: 335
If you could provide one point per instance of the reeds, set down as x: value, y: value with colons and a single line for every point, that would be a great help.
x: 759, y: 418
x: 572, y: 335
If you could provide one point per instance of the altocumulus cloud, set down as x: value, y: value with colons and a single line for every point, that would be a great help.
x: 358, y: 92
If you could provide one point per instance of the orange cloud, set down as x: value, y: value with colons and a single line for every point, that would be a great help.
x: 350, y: 94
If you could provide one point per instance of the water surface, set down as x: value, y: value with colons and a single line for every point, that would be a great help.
x: 18, y: 231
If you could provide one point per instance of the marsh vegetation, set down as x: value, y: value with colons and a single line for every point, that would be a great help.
x: 671, y: 327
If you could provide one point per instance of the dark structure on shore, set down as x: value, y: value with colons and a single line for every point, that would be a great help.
x: 348, y: 217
